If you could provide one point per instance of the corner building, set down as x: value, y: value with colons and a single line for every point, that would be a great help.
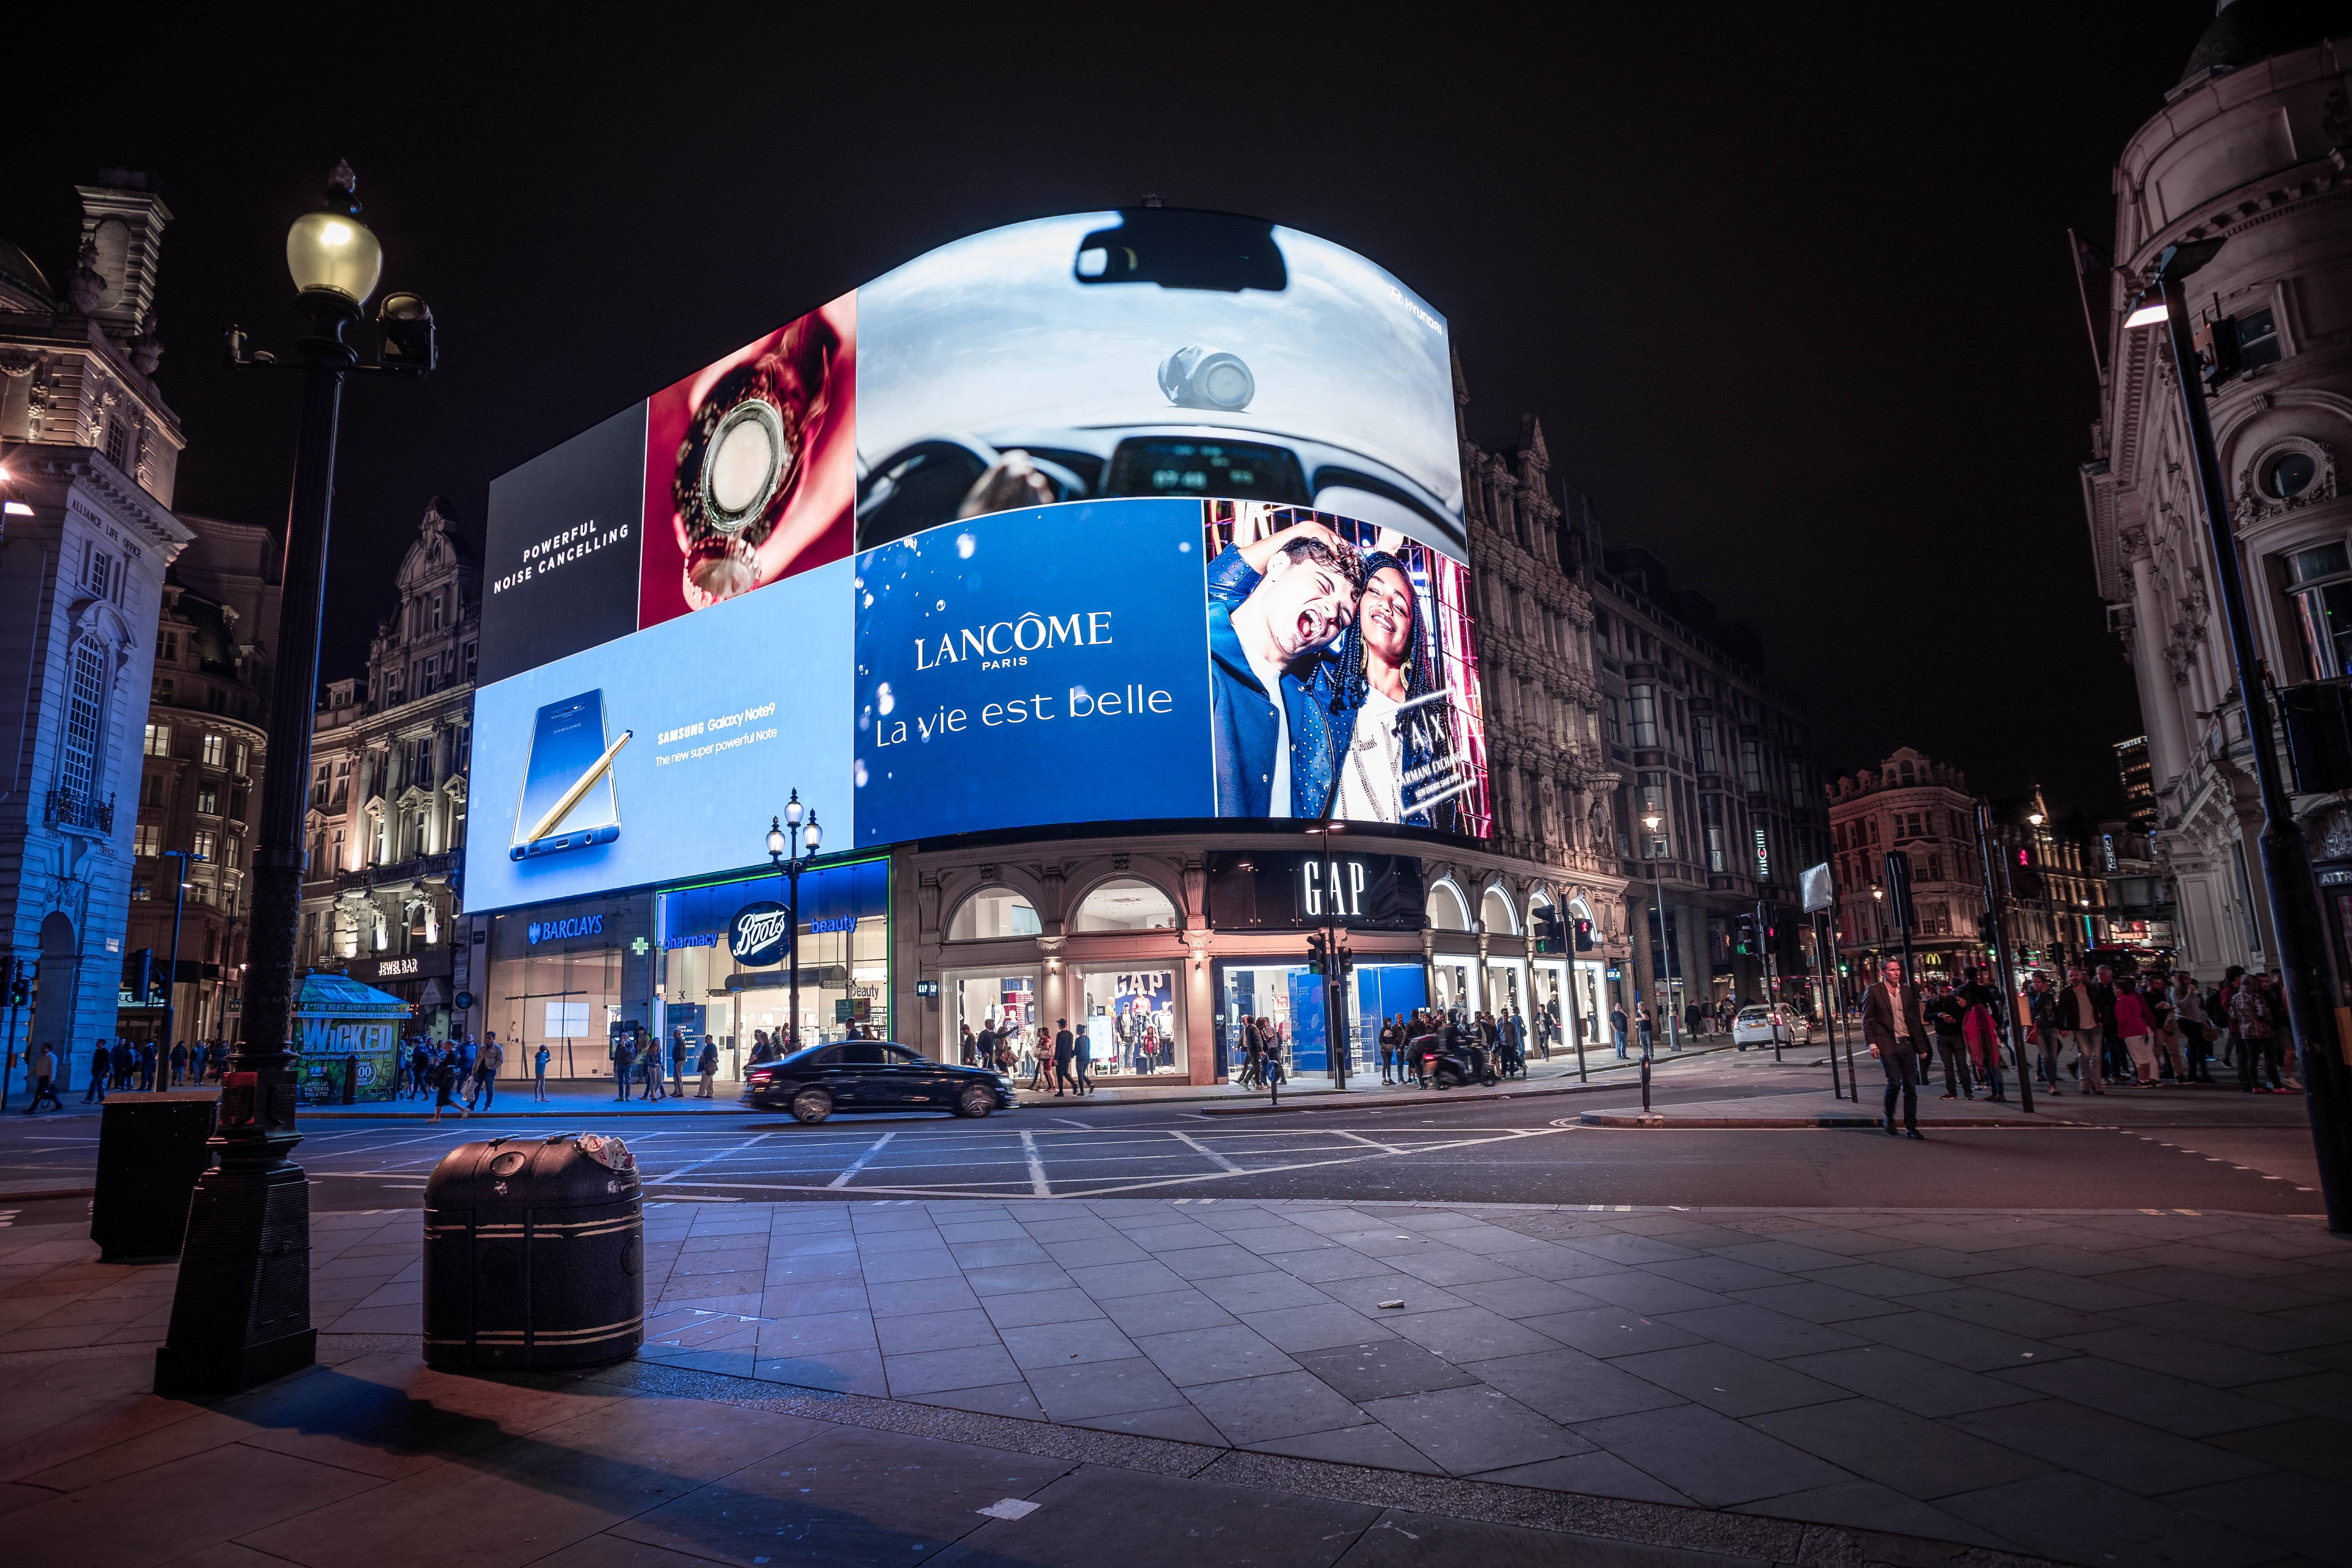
x: 765, y: 582
x: 2247, y: 147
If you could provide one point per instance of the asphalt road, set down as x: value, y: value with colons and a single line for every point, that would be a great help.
x: 2230, y: 1155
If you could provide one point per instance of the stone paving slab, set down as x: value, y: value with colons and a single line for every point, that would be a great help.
x: 1941, y: 1374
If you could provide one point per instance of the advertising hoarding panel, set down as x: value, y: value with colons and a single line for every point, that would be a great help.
x: 685, y: 737
x: 1032, y: 666
x: 750, y: 466
x: 1147, y: 353
x: 560, y: 550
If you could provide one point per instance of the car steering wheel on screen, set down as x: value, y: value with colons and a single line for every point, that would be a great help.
x: 949, y: 476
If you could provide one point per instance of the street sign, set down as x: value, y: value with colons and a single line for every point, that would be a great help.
x: 465, y: 1000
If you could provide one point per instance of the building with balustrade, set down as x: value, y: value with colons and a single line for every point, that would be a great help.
x: 386, y: 818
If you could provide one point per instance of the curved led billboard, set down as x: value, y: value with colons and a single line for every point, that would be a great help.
x: 1155, y: 515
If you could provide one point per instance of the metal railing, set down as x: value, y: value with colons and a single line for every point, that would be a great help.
x: 69, y: 809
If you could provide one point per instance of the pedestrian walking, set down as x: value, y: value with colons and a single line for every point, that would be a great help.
x: 1946, y: 1016
x: 444, y: 1088
x: 123, y: 1063
x: 179, y: 1064
x: 1617, y: 1028
x: 1893, y: 1026
x: 1082, y: 1058
x: 101, y: 1073
x: 707, y: 1065
x: 649, y: 1065
x: 539, y: 1073
x: 1642, y: 1024
x: 677, y: 1065
x: 1064, y: 1047
x: 2085, y: 1014
x: 41, y: 1075
x: 2136, y: 1027
x: 493, y: 1060
x: 2257, y: 1016
x: 624, y: 1057
x: 1981, y: 1030
x: 2190, y: 1021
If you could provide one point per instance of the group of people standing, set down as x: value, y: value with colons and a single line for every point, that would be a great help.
x: 2150, y: 1029
x: 125, y: 1065
x: 462, y: 1072
x: 659, y: 1071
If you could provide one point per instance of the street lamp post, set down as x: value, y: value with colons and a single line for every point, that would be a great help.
x: 1665, y: 955
x: 786, y: 837
x: 1337, y: 1047
x: 172, y: 986
x: 2286, y: 857
x: 241, y: 1309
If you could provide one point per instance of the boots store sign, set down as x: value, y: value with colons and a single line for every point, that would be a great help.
x: 760, y: 934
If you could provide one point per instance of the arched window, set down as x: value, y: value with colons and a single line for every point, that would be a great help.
x: 1446, y: 909
x: 1125, y: 903
x: 1494, y: 911
x: 994, y: 912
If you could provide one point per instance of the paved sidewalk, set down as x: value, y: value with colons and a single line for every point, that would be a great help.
x: 370, y: 1458
x: 2091, y: 1387
x: 2198, y: 1106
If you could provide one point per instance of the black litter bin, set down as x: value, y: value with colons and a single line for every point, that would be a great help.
x: 534, y: 1254
x: 150, y: 1150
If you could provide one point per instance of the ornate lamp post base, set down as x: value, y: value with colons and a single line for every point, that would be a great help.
x: 241, y: 1315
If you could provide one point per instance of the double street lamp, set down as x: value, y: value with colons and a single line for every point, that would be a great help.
x: 786, y: 856
x: 241, y: 1310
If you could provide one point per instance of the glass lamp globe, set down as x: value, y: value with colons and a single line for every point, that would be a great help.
x: 812, y: 834
x: 334, y: 253
x: 792, y: 810
x: 776, y: 839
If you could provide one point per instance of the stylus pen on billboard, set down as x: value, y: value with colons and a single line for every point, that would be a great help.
x: 562, y: 808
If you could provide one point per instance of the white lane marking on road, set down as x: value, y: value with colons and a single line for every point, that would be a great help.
x: 1037, y: 1183
x: 1359, y: 1138
x: 710, y: 1159
x: 1088, y: 1126
x: 1204, y: 1151
x: 860, y: 1162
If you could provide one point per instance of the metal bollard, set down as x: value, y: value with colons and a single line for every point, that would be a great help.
x: 1645, y: 1084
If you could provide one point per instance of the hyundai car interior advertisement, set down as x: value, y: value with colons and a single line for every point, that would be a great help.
x: 1145, y: 514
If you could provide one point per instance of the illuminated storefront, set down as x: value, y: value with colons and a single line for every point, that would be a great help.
x: 561, y: 975
x: 709, y: 985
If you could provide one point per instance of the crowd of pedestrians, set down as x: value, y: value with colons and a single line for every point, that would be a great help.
x: 2155, y: 1030
x: 119, y: 1066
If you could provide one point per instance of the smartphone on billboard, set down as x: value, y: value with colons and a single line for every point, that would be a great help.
x: 568, y: 802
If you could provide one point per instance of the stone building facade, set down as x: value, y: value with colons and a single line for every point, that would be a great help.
x: 2250, y: 147
x: 385, y: 822
x: 202, y: 762
x: 85, y: 540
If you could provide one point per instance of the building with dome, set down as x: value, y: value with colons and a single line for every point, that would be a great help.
x: 90, y: 451
x: 2250, y: 146
x: 386, y: 818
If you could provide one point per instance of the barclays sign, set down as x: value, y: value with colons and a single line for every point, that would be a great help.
x: 760, y: 934
x: 558, y: 931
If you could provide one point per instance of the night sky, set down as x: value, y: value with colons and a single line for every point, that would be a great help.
x: 1791, y: 293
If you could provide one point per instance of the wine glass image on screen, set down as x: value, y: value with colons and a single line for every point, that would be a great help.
x: 567, y: 791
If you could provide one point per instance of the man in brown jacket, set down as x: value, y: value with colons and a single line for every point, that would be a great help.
x: 1895, y: 1032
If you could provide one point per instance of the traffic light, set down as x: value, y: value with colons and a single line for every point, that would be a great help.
x: 1551, y: 932
x: 1584, y: 936
x: 20, y: 987
x: 1315, y: 954
x: 1747, y: 942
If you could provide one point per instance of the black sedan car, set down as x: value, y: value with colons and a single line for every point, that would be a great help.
x: 873, y: 1075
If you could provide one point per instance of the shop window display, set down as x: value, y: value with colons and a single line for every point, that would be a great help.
x: 994, y: 912
x: 844, y: 946
x: 1131, y: 1021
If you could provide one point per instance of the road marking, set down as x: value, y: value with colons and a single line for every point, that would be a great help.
x: 859, y: 1163
x: 1368, y: 1143
x: 1038, y: 1186
x: 1204, y: 1151
x: 710, y: 1159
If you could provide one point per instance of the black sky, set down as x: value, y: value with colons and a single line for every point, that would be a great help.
x: 1788, y: 289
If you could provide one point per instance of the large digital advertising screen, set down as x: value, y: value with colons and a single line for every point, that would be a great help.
x: 1131, y: 515
x: 663, y: 754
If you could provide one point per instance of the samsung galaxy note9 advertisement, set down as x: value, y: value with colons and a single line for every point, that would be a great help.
x: 663, y: 754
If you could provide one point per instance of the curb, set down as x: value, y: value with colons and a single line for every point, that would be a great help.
x: 37, y: 1195
x: 343, y: 1112
x: 1657, y: 1121
x: 1445, y: 1096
